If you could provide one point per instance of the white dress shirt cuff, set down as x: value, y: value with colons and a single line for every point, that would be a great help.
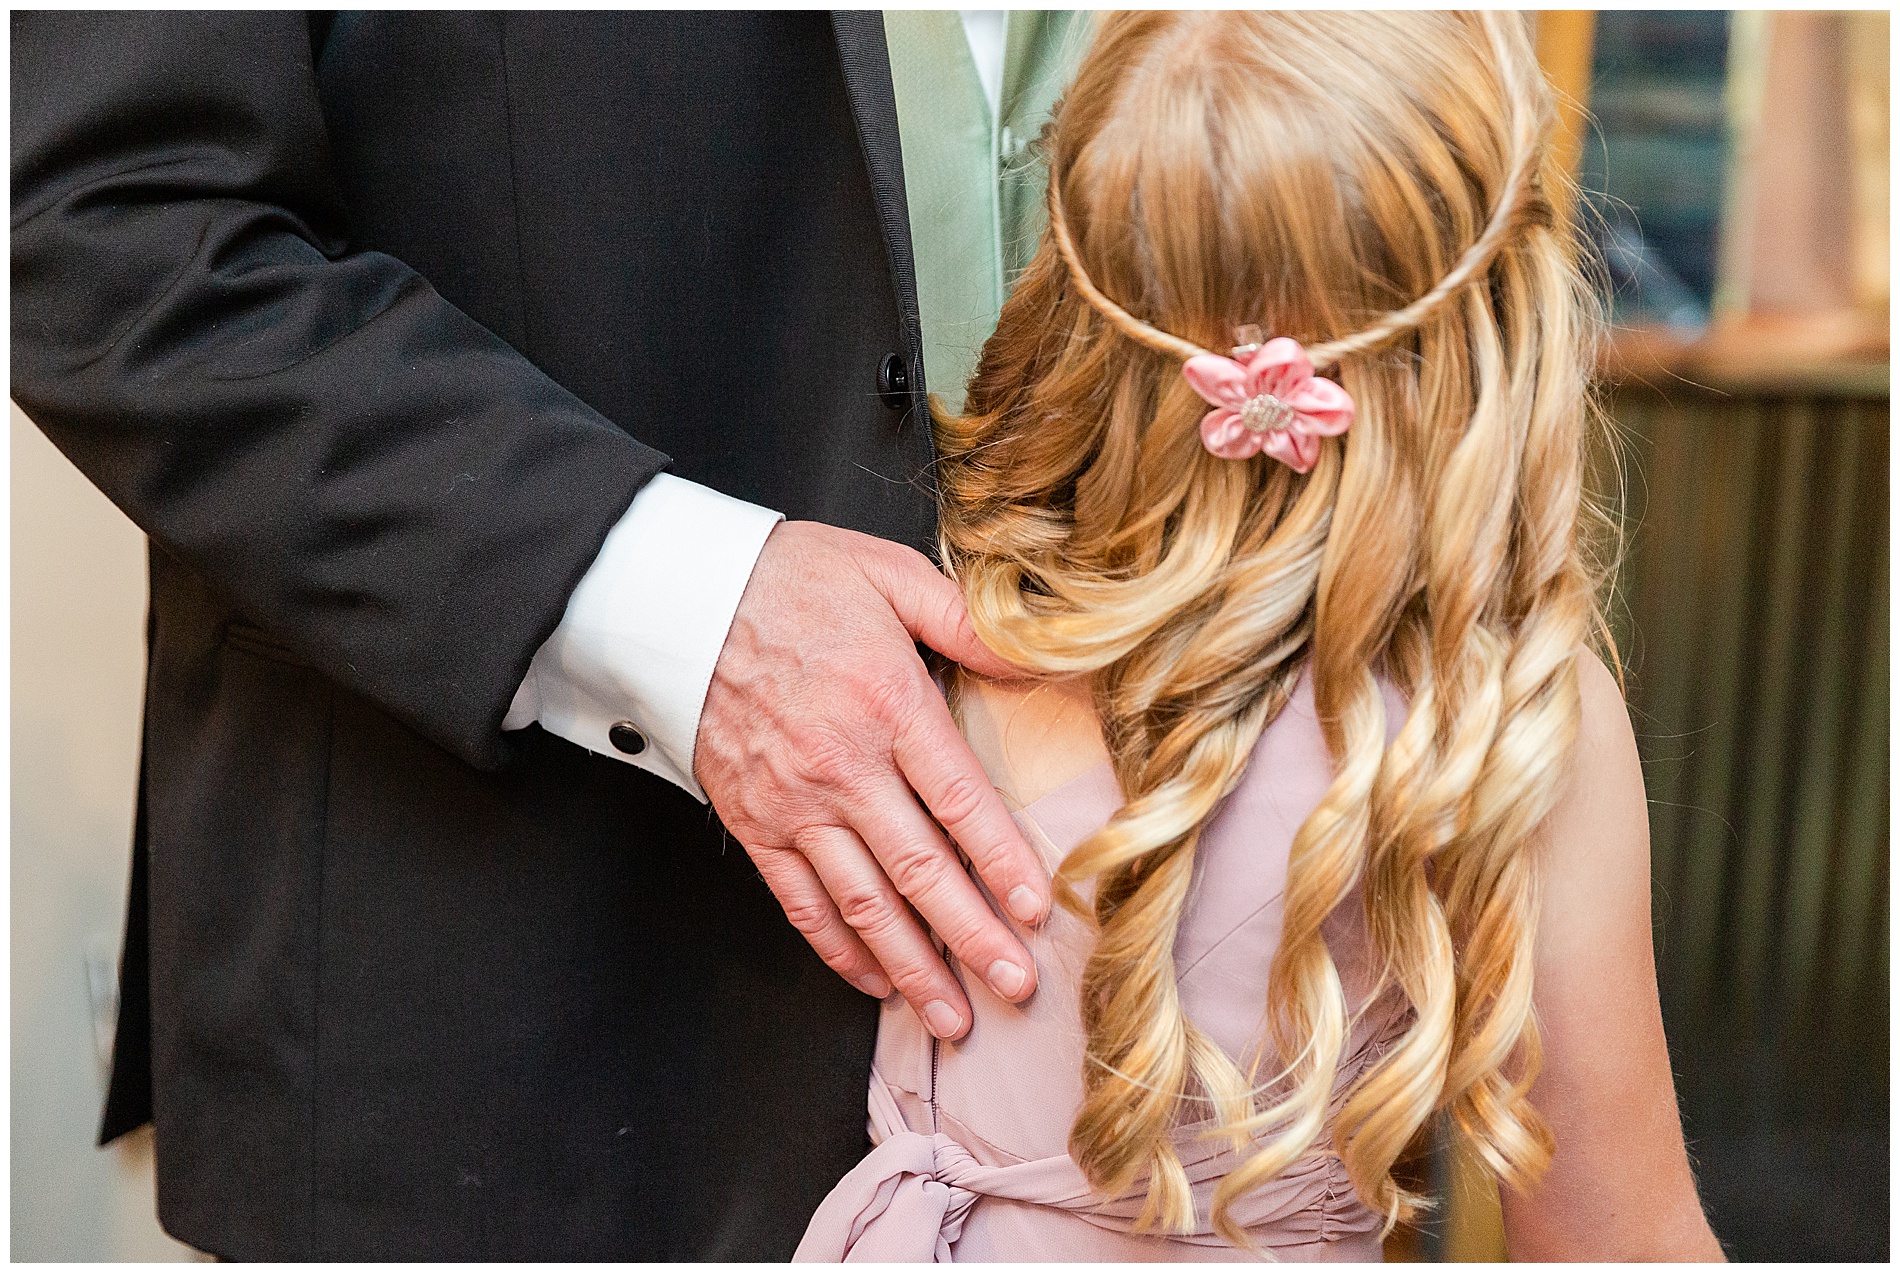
x: 644, y: 628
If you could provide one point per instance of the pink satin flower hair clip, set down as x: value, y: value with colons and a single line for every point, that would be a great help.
x: 1266, y: 398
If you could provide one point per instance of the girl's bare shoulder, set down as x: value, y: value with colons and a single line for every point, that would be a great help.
x: 1031, y: 736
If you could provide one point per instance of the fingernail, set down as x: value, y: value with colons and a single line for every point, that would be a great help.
x: 942, y: 1019
x: 1008, y: 978
x: 873, y: 985
x: 1024, y: 904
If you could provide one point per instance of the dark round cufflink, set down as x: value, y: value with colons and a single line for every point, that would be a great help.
x: 626, y: 738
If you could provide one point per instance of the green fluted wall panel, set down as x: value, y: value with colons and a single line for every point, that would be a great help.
x: 1752, y: 614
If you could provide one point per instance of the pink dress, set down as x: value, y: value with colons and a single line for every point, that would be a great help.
x: 971, y: 1160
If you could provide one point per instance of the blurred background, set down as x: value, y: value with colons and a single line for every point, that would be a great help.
x: 1735, y: 177
x: 1734, y: 169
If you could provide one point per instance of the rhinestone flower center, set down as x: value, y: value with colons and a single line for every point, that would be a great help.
x: 1265, y: 414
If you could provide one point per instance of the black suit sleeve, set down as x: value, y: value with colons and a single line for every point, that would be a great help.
x: 355, y: 464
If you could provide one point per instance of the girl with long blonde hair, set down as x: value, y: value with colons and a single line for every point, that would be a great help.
x: 1271, y: 479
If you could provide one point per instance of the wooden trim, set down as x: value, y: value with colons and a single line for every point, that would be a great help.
x: 1841, y: 354
x: 1566, y: 45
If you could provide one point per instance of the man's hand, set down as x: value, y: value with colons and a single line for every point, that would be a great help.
x: 822, y: 743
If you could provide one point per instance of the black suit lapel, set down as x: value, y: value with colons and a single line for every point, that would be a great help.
x: 867, y: 77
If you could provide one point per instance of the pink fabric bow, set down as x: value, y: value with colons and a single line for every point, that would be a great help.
x: 1273, y: 403
x: 907, y: 1200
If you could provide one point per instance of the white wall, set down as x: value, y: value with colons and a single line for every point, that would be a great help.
x: 78, y: 671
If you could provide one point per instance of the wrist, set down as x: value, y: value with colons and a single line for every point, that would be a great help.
x: 627, y: 671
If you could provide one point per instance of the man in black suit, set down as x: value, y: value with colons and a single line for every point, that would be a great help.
x: 382, y: 328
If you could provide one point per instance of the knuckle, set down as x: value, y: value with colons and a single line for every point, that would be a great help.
x: 809, y: 916
x: 892, y: 555
x: 944, y: 598
x: 828, y: 758
x: 762, y: 834
x: 773, y: 864
x: 905, y: 555
x: 866, y: 910
x: 889, y: 695
x: 917, y: 572
x: 976, y: 941
x: 917, y: 982
x: 919, y: 870
x: 959, y: 799
x: 977, y: 936
x: 838, y: 952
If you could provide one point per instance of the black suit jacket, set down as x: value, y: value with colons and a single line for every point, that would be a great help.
x: 375, y: 325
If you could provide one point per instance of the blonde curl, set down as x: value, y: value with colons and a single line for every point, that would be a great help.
x: 1376, y: 186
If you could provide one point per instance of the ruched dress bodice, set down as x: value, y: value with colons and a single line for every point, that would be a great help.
x: 972, y: 1160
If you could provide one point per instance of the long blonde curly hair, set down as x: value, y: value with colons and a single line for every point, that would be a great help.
x: 1381, y: 187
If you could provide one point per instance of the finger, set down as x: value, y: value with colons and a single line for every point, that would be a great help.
x: 947, y: 777
x: 865, y: 898
x: 932, y: 609
x: 922, y: 867
x: 810, y: 909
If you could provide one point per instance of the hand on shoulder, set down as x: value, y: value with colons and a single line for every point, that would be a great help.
x: 831, y: 757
